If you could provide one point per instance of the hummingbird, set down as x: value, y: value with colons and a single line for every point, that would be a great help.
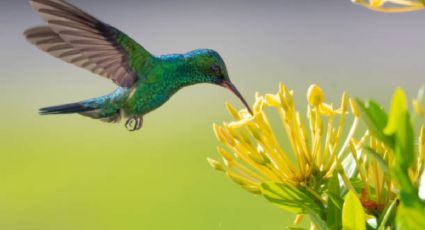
x: 144, y: 81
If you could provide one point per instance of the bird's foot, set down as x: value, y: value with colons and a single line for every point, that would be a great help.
x: 134, y: 123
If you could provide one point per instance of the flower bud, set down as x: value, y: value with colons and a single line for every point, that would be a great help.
x: 315, y: 95
x: 216, y: 165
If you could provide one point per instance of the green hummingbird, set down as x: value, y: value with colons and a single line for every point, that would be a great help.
x: 145, y: 81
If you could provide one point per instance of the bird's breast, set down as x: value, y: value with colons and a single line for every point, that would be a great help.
x: 148, y: 97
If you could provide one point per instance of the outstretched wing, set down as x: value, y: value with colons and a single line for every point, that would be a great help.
x: 78, y: 38
x: 49, y: 41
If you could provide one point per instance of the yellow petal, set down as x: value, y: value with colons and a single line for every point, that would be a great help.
x: 239, y: 179
x: 354, y: 108
x: 232, y: 111
x: 238, y: 124
x: 419, y: 108
x: 377, y: 3
x: 216, y: 165
x: 252, y: 189
x: 272, y: 100
x: 298, y: 219
x: 226, y: 156
x: 258, y: 105
x: 315, y: 95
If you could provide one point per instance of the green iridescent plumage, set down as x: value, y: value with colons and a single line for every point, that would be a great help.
x: 145, y: 81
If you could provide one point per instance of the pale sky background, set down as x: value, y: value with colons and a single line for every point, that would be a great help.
x: 299, y: 42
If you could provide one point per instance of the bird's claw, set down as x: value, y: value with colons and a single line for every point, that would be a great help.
x: 134, y: 123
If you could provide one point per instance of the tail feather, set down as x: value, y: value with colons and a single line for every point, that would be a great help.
x: 65, y: 109
x: 104, y: 107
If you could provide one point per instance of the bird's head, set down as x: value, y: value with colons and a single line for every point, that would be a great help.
x: 210, y: 67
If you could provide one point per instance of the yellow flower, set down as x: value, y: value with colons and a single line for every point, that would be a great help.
x: 420, y: 165
x: 302, y: 164
x: 378, y: 187
x: 419, y: 108
x: 391, y: 6
x: 417, y: 103
x: 253, y: 154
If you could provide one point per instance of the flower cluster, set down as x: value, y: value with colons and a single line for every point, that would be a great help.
x: 254, y: 155
x: 320, y: 159
x: 392, y: 6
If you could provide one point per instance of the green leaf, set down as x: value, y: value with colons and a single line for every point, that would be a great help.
x: 405, y: 154
x: 289, y: 198
x: 400, y: 127
x: 336, y: 200
x: 318, y: 222
x: 408, y: 193
x: 353, y: 215
x: 357, y: 183
x: 376, y: 119
x: 334, y: 209
x: 387, y: 214
x: 410, y: 218
x: 381, y: 162
x: 397, y: 111
x: 370, y: 227
x: 295, y: 228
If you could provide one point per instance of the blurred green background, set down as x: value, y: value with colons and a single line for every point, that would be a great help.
x: 70, y: 172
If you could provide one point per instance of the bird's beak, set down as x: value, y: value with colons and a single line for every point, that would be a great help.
x: 232, y: 88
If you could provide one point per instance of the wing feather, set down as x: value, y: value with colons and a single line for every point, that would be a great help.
x: 59, y: 48
x: 79, y: 38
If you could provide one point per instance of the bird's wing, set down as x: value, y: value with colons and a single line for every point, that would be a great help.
x: 78, y: 38
x: 49, y: 41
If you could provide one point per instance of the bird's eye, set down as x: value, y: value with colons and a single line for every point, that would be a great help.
x: 216, y: 69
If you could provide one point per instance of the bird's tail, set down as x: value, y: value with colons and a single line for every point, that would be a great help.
x: 106, y: 107
x: 66, y: 109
